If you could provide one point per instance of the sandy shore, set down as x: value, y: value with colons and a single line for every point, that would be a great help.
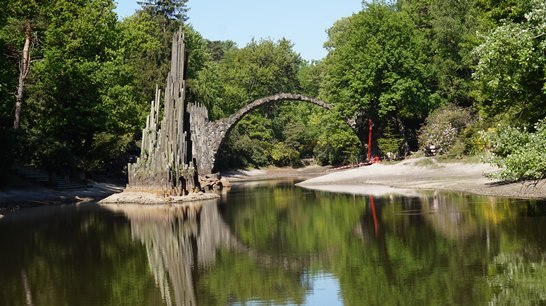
x: 419, y: 174
x: 12, y: 200
x: 132, y: 197
x: 271, y: 173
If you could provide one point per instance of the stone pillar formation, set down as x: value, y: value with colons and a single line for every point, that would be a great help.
x: 165, y: 165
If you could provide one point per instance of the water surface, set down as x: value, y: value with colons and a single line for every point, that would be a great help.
x: 273, y: 243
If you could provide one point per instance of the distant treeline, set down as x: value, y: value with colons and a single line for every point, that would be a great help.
x: 76, y: 82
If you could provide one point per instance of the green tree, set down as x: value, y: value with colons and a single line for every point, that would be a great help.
x: 219, y: 48
x: 8, y: 75
x: 150, y: 31
x: 147, y: 48
x: 74, y: 86
x: 168, y: 10
x: 494, y: 13
x: 260, y: 69
x: 141, y: 43
x: 309, y: 76
x: 377, y: 66
x: 511, y: 69
x: 24, y: 20
x: 336, y: 143
x: 450, y: 29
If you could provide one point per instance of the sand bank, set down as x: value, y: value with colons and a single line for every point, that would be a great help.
x: 424, y: 174
x: 151, y: 198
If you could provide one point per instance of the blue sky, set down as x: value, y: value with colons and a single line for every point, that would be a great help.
x: 304, y: 22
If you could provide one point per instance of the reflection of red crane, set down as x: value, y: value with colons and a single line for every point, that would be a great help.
x: 372, y: 205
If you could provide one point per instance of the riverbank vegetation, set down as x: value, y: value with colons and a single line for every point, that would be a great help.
x: 76, y: 81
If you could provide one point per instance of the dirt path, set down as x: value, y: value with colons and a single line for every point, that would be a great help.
x: 420, y: 173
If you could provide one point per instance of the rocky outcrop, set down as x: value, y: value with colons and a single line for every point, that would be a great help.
x: 213, y: 182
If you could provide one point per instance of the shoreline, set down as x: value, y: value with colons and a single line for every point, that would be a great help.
x: 14, y: 199
x: 32, y: 195
x: 272, y: 173
x: 408, y: 177
x: 419, y: 174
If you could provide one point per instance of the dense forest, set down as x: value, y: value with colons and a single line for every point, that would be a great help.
x: 467, y: 76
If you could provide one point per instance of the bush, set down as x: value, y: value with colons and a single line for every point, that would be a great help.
x: 457, y: 150
x: 330, y: 153
x: 108, y: 152
x: 475, y: 137
x: 521, y: 154
x: 284, y: 155
x: 55, y: 156
x: 443, y: 127
x: 391, y: 141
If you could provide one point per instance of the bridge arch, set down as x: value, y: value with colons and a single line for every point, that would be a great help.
x: 232, y: 120
x: 208, y: 136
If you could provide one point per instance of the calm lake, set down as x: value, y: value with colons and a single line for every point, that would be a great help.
x: 272, y: 243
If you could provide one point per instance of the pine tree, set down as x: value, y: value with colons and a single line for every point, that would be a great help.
x: 171, y: 12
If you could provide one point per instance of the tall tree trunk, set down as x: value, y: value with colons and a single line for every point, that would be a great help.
x: 404, y: 132
x: 24, y: 68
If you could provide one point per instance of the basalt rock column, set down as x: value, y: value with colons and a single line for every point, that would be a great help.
x: 164, y: 164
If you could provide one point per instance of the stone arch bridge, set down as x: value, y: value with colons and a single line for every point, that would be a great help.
x: 208, y: 136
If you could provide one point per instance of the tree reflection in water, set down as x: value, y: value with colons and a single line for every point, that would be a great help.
x: 449, y: 218
x: 270, y: 244
x: 181, y: 241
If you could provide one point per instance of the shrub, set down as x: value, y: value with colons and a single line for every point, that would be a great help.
x: 391, y: 140
x: 55, y: 156
x: 390, y: 144
x: 475, y: 136
x: 443, y: 127
x: 519, y: 153
x: 457, y: 150
x: 108, y: 152
x: 284, y: 155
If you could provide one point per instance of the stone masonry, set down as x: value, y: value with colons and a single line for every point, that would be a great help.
x: 208, y: 136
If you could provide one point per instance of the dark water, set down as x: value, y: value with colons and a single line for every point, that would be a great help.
x: 279, y: 244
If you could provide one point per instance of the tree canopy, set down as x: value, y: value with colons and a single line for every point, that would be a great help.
x: 91, y: 76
